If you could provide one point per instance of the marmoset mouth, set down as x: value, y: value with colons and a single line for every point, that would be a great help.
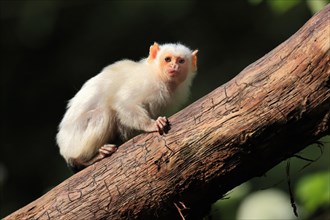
x: 173, y: 72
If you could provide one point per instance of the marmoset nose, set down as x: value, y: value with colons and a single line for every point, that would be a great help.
x: 174, y: 66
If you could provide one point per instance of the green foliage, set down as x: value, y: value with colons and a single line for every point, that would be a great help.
x: 316, y: 5
x: 282, y: 6
x: 313, y: 191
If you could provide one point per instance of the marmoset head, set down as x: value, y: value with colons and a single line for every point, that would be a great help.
x: 175, y: 62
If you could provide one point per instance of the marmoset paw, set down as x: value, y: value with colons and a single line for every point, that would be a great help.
x: 107, y: 150
x: 163, y: 125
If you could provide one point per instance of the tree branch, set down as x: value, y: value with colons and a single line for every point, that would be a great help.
x: 274, y: 108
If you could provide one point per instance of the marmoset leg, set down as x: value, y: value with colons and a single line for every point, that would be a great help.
x: 105, y: 151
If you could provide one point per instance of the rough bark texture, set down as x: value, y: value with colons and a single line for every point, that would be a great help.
x: 271, y: 110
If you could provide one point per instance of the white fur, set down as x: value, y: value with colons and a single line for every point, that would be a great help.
x: 120, y: 100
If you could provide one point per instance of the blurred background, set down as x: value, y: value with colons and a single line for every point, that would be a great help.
x: 50, y: 48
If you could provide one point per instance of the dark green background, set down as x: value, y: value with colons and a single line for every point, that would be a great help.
x: 50, y: 48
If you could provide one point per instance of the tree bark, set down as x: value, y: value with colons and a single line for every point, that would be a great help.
x: 273, y: 109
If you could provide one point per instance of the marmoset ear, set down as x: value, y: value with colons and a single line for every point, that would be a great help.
x: 153, y: 52
x: 194, y: 60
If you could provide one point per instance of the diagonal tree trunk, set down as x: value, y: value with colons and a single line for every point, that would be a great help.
x: 274, y: 108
